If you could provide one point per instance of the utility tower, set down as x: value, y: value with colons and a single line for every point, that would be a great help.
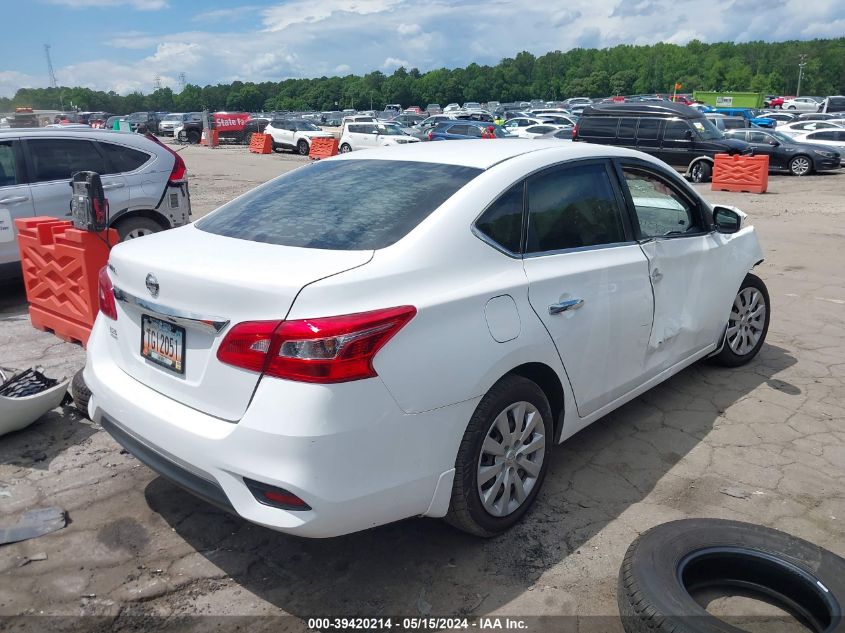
x: 157, y: 82
x: 52, y: 74
x: 182, y: 82
x: 50, y: 71
x: 801, y: 65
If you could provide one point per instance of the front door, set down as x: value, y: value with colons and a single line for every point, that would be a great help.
x: 761, y: 143
x: 677, y: 146
x: 693, y: 280
x: 15, y: 199
x: 588, y: 280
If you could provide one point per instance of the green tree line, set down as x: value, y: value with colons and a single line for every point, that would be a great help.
x: 769, y: 67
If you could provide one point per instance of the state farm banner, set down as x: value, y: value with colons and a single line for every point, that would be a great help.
x: 230, y: 121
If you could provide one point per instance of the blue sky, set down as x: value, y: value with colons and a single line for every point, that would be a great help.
x: 123, y: 45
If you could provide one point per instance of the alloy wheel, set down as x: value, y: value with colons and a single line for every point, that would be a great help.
x: 800, y: 166
x: 696, y: 174
x: 134, y: 233
x: 511, y: 459
x: 747, y: 319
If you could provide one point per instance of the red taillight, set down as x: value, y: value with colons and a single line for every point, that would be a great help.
x: 575, y: 132
x: 431, y: 136
x: 325, y: 350
x: 246, y: 345
x: 177, y: 174
x: 105, y: 294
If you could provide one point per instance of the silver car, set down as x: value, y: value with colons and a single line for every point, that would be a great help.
x: 145, y: 182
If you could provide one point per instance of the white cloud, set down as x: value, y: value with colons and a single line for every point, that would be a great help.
x: 288, y: 14
x: 12, y: 80
x: 219, y: 15
x: 140, y: 5
x: 391, y: 62
x: 408, y: 29
x: 343, y: 69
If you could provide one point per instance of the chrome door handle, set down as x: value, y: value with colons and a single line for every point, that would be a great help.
x: 656, y: 275
x: 14, y: 199
x: 564, y: 306
x: 114, y: 185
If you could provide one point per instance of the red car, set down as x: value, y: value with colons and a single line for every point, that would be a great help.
x: 774, y: 102
x: 414, y: 110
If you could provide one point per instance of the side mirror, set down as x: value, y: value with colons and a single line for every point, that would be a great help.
x: 726, y: 220
x: 688, y: 135
x: 774, y: 142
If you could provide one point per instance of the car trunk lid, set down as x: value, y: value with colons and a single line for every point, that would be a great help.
x: 192, y: 286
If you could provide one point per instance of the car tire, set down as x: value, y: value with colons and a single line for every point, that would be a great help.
x: 277, y: 147
x: 747, y: 326
x: 666, y: 566
x: 80, y: 393
x: 345, y: 148
x: 194, y: 137
x: 516, y: 403
x: 791, y: 108
x: 701, y: 171
x: 135, y: 227
x: 302, y: 147
x: 801, y: 165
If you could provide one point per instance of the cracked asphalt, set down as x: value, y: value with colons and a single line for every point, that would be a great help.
x: 763, y: 443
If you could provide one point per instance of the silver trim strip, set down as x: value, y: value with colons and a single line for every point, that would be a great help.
x: 210, y: 324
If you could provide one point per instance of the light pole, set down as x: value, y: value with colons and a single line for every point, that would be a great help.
x: 801, y: 65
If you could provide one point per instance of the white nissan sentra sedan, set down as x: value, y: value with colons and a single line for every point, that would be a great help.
x: 407, y: 333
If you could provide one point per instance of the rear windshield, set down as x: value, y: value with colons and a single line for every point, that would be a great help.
x: 340, y: 205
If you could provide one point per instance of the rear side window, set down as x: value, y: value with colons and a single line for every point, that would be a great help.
x: 122, y: 158
x: 601, y: 127
x: 627, y: 128
x: 458, y: 129
x: 648, y: 129
x: 572, y: 207
x: 821, y: 136
x: 474, y: 130
x: 340, y: 205
x: 502, y: 221
x: 8, y: 168
x: 58, y: 158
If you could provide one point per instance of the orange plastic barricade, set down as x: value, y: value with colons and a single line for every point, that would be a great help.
x: 60, y: 268
x: 323, y: 148
x: 215, y: 138
x: 741, y: 173
x: 261, y: 143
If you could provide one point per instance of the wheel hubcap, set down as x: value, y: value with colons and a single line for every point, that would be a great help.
x: 137, y: 233
x: 745, y: 326
x: 511, y: 459
x: 800, y: 166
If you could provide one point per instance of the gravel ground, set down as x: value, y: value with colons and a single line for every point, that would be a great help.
x: 771, y: 434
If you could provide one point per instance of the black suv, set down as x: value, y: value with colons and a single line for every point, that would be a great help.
x: 143, y: 122
x: 675, y: 133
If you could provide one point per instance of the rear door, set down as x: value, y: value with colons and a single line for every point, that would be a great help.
x: 52, y: 161
x: 693, y: 279
x: 15, y: 198
x: 588, y: 280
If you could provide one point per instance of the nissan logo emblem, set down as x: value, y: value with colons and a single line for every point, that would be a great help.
x: 152, y: 284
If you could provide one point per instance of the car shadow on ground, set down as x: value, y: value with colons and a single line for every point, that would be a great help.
x: 13, y: 299
x: 421, y: 565
x: 36, y: 445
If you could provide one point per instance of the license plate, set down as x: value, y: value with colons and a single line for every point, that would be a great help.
x: 163, y: 343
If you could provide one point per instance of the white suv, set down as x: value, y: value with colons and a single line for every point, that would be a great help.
x: 144, y: 181
x: 295, y: 134
x: 367, y: 135
x: 408, y: 332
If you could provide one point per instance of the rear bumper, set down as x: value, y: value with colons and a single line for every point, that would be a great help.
x: 347, y: 450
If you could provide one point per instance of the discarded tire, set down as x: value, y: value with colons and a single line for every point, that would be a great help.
x: 80, y: 392
x: 665, y: 567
